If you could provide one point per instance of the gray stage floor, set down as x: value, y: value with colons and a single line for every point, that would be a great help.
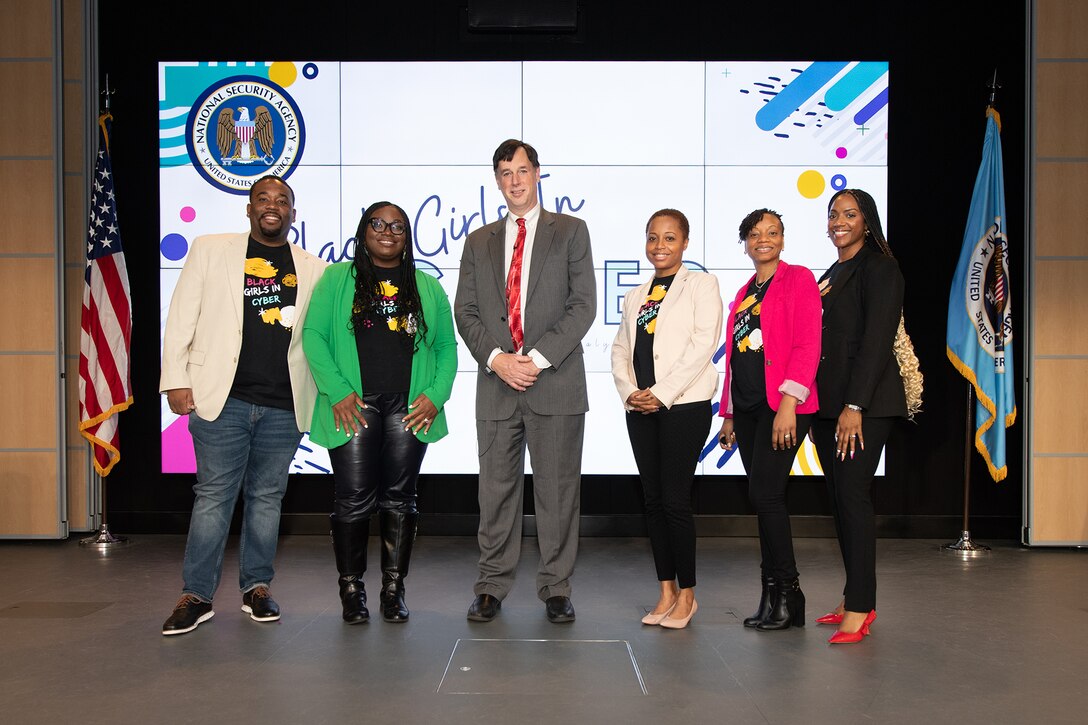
x: 998, y: 640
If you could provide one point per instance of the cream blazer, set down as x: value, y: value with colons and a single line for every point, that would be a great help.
x: 689, y: 326
x: 203, y: 335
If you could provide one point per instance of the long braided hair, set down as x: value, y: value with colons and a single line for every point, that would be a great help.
x: 368, y: 289
x: 902, y: 346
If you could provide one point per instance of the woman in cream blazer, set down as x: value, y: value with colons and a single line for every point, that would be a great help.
x: 661, y: 362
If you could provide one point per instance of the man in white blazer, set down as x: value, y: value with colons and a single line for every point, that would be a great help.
x: 232, y: 361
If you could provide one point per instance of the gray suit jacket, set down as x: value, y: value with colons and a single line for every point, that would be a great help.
x: 560, y: 306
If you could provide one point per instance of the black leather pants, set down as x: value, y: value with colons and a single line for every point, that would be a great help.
x: 379, y: 468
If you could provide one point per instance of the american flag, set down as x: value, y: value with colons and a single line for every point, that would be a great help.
x: 105, y: 388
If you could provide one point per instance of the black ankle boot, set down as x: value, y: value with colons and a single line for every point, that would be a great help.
x: 787, y: 607
x: 398, y: 535
x: 765, y: 599
x: 349, y: 539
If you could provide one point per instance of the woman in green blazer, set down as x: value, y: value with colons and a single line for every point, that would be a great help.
x: 380, y: 343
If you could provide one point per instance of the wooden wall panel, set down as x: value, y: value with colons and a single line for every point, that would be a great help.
x: 1060, y: 501
x: 1060, y: 418
x: 73, y: 305
x: 1060, y: 26
x: 28, y: 498
x: 28, y: 28
x: 1059, y: 286
x: 30, y: 282
x: 75, y: 114
x: 1061, y: 213
x: 77, y: 479
x: 75, y: 220
x: 72, y: 44
x: 29, y: 87
x: 27, y: 187
x: 79, y: 504
x: 30, y: 388
x: 1061, y: 96
x: 1058, y: 494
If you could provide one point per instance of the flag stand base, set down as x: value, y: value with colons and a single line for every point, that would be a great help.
x: 966, y: 547
x: 104, y: 540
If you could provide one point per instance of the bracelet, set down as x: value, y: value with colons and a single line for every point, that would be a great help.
x: 851, y: 406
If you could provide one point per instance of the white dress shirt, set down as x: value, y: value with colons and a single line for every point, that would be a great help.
x: 531, y: 218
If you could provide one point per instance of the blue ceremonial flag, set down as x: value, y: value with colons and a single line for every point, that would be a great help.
x: 980, y: 309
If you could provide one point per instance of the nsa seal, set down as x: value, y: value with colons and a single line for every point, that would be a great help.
x: 241, y: 129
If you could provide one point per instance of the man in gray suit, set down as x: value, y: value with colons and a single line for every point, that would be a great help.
x: 525, y: 298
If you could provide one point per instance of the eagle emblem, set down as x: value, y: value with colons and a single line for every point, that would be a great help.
x: 239, y: 140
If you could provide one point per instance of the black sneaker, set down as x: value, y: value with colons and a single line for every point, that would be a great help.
x: 260, y: 606
x: 188, y: 613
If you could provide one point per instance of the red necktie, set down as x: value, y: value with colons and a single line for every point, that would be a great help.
x: 513, y: 289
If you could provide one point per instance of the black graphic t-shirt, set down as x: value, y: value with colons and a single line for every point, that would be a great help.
x: 827, y: 279
x: 268, y: 316
x: 385, y: 358
x: 749, y: 380
x: 645, y: 326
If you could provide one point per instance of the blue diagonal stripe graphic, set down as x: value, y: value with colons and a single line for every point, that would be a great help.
x: 871, y: 107
x: 779, y: 108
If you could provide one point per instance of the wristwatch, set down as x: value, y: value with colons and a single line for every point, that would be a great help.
x: 851, y: 406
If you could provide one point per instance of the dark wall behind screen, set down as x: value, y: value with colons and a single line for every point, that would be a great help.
x: 942, y: 55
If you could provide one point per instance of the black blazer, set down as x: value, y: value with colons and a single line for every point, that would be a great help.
x: 861, y: 316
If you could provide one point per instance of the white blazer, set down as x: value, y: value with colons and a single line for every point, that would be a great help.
x: 689, y: 325
x: 203, y: 336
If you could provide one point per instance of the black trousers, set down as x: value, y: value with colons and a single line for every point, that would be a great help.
x: 849, y: 485
x: 768, y: 474
x: 379, y: 468
x: 666, y: 445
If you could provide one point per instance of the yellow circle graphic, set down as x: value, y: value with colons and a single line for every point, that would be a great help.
x: 282, y: 73
x: 811, y: 184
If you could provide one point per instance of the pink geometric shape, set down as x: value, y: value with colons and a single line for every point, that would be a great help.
x: 177, y: 448
x: 841, y: 152
x: 187, y: 213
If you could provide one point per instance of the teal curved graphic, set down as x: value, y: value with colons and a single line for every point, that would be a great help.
x: 185, y: 82
x: 853, y: 84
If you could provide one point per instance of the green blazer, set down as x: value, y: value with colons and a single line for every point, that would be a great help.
x: 329, y: 343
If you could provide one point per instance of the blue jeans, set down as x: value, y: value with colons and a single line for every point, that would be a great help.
x: 248, y: 448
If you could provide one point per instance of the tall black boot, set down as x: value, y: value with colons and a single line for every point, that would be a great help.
x: 349, y: 540
x: 787, y: 607
x: 765, y: 599
x: 398, y: 535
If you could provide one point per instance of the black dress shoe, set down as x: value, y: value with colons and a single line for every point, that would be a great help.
x: 188, y: 613
x: 260, y: 606
x: 559, y: 610
x: 484, y: 608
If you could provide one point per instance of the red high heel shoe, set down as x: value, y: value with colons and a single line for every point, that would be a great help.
x: 854, y: 637
x: 830, y: 618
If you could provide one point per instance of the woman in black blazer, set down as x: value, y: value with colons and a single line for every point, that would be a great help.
x: 861, y: 393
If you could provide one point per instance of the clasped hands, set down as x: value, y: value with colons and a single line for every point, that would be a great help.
x: 517, y: 371
x: 644, y: 402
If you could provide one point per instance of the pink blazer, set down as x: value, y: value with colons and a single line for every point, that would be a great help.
x: 790, y: 319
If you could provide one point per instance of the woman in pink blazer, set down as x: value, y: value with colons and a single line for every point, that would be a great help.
x: 768, y: 401
x: 661, y: 363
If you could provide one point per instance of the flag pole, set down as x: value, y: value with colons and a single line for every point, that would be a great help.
x: 965, y: 546
x: 103, y: 539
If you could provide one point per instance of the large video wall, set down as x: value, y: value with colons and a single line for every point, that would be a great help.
x: 617, y: 141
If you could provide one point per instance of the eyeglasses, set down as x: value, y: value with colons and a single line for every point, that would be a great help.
x: 379, y: 225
